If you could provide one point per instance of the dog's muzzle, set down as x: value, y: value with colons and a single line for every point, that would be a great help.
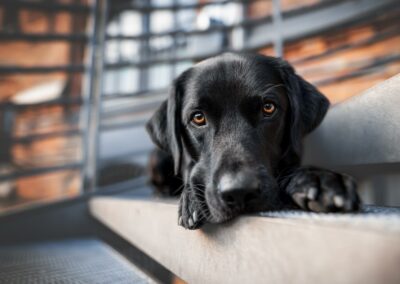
x: 238, y: 190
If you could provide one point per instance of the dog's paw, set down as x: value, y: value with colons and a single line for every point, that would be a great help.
x: 189, y: 215
x: 321, y: 190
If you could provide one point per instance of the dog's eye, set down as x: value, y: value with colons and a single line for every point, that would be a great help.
x: 269, y: 108
x: 198, y: 118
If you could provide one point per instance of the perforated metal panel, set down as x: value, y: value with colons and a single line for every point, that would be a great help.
x: 72, y: 261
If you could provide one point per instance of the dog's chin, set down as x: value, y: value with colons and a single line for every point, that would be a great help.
x: 220, y: 216
x: 220, y: 213
x: 217, y: 216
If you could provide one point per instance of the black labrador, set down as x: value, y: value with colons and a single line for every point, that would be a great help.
x: 231, y: 131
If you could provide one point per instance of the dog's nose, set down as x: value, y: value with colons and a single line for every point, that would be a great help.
x: 239, y: 189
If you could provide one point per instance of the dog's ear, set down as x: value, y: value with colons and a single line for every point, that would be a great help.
x: 164, y: 127
x: 308, y: 105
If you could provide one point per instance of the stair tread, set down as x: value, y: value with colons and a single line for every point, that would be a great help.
x: 369, y: 217
x: 66, y: 261
x: 285, y: 247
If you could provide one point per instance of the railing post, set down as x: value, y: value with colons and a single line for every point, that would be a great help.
x: 7, y: 120
x: 6, y: 129
x: 277, y: 20
x: 92, y: 101
x: 144, y: 50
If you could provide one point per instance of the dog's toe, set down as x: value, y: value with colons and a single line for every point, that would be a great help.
x: 194, y: 216
x: 320, y: 190
x: 189, y: 217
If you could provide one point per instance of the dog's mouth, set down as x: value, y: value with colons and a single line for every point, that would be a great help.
x: 219, y: 211
x: 247, y: 191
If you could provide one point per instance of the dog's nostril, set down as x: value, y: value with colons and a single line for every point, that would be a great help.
x: 228, y: 199
x: 239, y: 196
x: 233, y: 196
x: 250, y: 197
x: 238, y: 189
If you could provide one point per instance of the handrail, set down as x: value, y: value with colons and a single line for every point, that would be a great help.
x: 42, y: 170
x: 354, y: 134
x: 149, y: 8
x: 370, y: 7
x: 226, y: 28
x: 42, y: 37
x: 47, y: 6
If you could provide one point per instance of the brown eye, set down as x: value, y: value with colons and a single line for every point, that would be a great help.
x: 269, y: 108
x: 198, y: 118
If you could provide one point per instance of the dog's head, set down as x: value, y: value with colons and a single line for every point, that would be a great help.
x: 233, y: 125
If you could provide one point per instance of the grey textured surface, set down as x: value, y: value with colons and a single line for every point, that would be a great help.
x: 363, y: 130
x: 283, y: 247
x: 68, y: 261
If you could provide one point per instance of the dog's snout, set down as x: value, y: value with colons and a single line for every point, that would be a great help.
x: 239, y: 189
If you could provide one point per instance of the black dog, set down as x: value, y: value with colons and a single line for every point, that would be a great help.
x: 233, y: 127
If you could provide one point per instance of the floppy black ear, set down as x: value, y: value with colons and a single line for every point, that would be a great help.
x: 308, y: 105
x: 164, y: 127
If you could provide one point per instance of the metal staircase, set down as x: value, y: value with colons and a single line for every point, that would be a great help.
x: 67, y: 261
x: 69, y: 240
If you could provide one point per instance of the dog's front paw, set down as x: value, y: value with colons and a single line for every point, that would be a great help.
x: 189, y: 215
x: 321, y: 190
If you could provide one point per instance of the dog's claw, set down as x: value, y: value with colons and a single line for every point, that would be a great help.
x: 338, y: 201
x: 315, y: 207
x: 300, y: 199
x: 189, y: 212
x: 312, y: 193
x: 321, y: 190
x: 194, y: 216
x: 190, y: 222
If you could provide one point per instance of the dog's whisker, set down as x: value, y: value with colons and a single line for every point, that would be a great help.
x: 243, y: 143
x: 178, y: 189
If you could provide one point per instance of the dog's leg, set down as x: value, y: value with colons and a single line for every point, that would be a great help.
x: 161, y: 174
x: 190, y: 214
x: 321, y: 190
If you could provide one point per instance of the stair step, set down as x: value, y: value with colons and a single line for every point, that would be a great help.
x: 277, y: 247
x: 67, y: 261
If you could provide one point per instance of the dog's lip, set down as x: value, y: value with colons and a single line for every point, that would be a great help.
x: 227, y: 213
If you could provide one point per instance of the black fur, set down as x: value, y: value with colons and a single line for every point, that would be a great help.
x: 243, y: 161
